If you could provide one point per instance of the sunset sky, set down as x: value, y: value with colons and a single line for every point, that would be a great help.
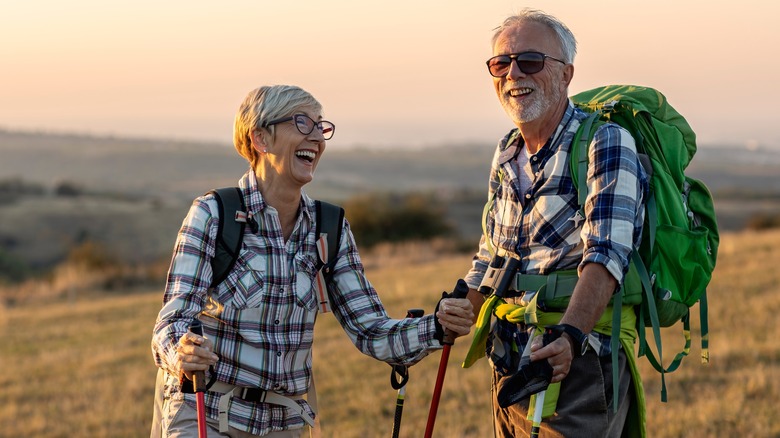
x: 400, y: 73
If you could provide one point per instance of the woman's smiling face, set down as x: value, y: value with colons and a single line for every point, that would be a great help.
x: 292, y: 155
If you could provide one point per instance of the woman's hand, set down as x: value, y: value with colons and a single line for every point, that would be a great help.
x: 456, y: 315
x: 194, y: 354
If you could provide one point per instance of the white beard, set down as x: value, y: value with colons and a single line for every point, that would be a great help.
x: 533, y: 108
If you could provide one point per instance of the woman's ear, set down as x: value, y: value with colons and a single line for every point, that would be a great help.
x: 259, y: 141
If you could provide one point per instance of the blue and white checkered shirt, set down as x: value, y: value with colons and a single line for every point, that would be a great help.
x: 541, y: 225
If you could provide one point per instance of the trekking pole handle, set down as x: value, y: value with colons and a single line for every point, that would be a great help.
x: 461, y: 291
x: 198, y: 377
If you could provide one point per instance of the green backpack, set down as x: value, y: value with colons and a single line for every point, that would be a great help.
x: 671, y: 269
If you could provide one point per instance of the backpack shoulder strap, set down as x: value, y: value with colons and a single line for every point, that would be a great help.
x: 329, y: 223
x: 230, y: 233
x: 578, y: 156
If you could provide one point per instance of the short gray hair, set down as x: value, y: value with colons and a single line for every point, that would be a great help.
x: 263, y: 105
x: 565, y: 36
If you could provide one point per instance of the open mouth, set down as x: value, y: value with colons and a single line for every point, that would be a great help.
x: 516, y: 92
x: 307, y: 156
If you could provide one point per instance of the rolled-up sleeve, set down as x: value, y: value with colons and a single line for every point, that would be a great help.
x: 614, y: 209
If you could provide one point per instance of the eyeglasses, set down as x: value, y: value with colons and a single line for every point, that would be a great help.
x: 528, y: 63
x: 306, y: 125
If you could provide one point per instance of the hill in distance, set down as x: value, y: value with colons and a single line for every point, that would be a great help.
x: 133, y: 193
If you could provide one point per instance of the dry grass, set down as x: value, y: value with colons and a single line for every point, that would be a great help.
x: 83, y: 368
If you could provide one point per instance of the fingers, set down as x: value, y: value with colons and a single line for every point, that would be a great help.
x: 457, y: 307
x: 194, y: 354
x: 558, y: 354
x: 456, y: 315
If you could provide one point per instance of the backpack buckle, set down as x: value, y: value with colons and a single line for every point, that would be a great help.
x: 610, y: 106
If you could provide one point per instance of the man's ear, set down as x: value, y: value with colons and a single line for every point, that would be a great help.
x: 568, y: 74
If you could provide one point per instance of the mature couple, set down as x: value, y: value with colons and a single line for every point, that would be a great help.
x: 281, y: 132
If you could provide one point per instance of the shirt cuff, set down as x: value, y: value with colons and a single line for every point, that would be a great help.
x: 614, y: 267
x: 426, y: 329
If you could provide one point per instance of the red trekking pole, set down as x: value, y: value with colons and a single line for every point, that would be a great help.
x: 199, y: 386
x: 461, y: 290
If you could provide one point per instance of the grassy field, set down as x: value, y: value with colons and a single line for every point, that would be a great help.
x: 80, y: 365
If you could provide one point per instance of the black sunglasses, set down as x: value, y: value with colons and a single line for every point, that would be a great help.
x: 306, y: 125
x: 528, y: 63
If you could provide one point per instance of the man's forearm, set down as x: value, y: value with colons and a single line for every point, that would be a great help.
x: 590, y: 297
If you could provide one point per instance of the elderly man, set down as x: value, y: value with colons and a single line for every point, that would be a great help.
x: 533, y: 217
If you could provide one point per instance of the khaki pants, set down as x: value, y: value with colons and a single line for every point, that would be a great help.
x: 584, y: 405
x: 181, y: 421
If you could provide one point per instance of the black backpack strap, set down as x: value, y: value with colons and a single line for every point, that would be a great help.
x: 232, y: 222
x: 330, y: 220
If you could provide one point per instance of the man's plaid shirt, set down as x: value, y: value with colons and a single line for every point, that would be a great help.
x: 542, y: 227
x: 263, y: 325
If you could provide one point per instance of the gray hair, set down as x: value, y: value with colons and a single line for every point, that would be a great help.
x: 263, y: 105
x: 565, y: 36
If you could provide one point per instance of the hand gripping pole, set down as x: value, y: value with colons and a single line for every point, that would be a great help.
x: 199, y: 386
x: 461, y: 290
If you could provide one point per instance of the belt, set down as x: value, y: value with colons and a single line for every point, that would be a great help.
x: 254, y: 395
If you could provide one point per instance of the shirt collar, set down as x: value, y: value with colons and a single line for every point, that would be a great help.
x: 255, y: 203
x: 514, y: 141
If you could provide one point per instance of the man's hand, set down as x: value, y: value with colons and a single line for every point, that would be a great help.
x: 194, y: 354
x: 559, y: 354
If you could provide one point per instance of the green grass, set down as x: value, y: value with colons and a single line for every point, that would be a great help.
x: 81, y: 365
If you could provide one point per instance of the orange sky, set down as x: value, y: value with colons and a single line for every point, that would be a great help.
x: 388, y: 73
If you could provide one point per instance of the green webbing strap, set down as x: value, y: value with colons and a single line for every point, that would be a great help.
x: 558, y: 284
x: 617, y: 303
x: 658, y: 364
x: 648, y: 311
x: 485, y: 211
x: 705, y: 329
x: 580, y: 150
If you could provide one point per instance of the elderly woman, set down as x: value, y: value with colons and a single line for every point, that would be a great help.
x: 281, y: 133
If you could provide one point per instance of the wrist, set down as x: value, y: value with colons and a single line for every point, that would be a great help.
x: 577, y: 339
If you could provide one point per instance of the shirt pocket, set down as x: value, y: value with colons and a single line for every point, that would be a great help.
x: 250, y: 284
x: 305, y: 283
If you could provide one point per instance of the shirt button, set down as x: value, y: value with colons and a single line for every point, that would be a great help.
x: 277, y: 387
x: 276, y: 321
x: 534, y: 158
x: 527, y: 196
x: 278, y: 353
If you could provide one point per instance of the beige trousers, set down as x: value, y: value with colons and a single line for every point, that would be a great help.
x: 183, y: 423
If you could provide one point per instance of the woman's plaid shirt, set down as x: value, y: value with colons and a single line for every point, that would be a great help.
x: 261, y: 318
